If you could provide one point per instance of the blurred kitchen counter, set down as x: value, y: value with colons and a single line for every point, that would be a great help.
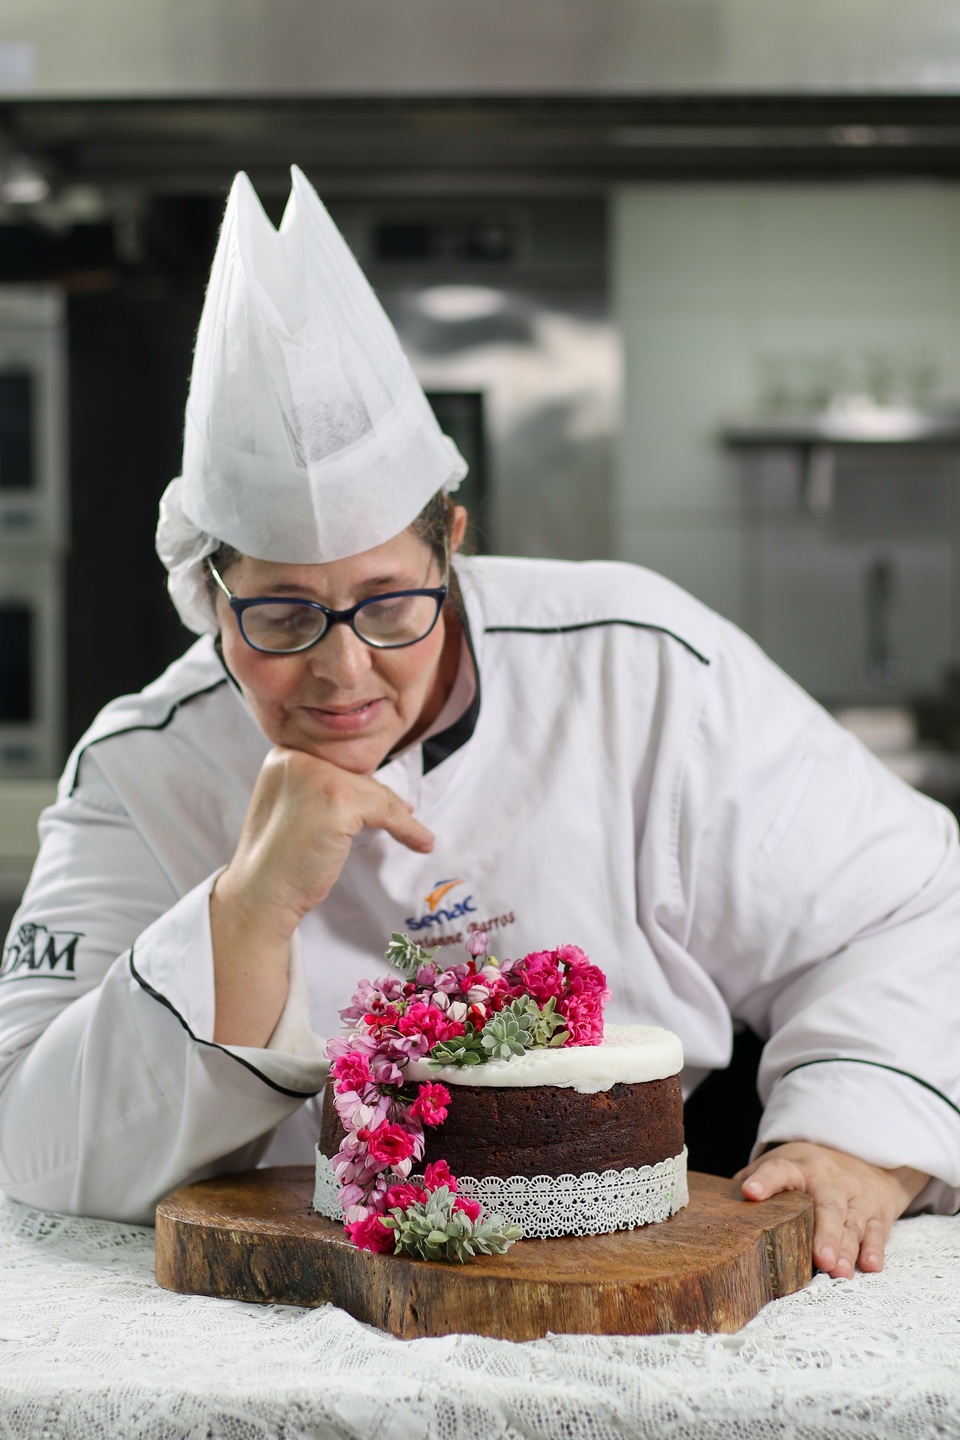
x: 890, y: 731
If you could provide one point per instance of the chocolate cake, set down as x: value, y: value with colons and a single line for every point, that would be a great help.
x: 542, y: 1130
x: 609, y: 1111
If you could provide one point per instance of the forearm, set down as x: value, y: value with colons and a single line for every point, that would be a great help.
x: 251, y: 966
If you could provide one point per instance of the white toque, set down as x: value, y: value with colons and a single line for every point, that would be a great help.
x: 307, y: 436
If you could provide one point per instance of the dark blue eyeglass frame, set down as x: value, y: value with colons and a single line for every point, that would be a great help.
x: 332, y: 617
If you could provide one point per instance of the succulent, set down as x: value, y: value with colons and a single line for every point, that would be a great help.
x: 465, y: 1049
x: 506, y: 1034
x: 434, y: 1230
x: 524, y: 1025
x: 547, y: 1026
x: 406, y: 955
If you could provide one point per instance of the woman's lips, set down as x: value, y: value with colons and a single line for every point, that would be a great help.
x: 347, y: 720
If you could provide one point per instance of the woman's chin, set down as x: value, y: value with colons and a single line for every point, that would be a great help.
x: 360, y: 754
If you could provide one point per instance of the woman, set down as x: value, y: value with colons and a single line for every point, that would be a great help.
x: 375, y: 734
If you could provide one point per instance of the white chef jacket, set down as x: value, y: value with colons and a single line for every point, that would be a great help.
x: 632, y: 775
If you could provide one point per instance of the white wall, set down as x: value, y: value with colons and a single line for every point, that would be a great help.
x: 724, y: 290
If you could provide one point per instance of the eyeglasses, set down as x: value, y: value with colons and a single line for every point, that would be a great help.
x: 278, y: 626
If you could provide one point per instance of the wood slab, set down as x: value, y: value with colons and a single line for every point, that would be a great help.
x: 712, y: 1266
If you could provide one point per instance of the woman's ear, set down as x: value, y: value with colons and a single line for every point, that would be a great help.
x: 458, y: 528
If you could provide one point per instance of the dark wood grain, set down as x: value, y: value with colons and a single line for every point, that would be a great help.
x: 255, y: 1236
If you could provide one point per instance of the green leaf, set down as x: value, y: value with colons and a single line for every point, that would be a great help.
x: 406, y: 956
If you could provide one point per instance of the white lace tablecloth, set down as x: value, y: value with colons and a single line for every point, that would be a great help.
x: 91, y: 1347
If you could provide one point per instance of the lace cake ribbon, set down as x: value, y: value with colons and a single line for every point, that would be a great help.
x: 551, y: 1205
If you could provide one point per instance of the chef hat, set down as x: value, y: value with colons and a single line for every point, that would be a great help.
x: 307, y: 436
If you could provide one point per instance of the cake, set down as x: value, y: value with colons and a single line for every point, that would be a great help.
x: 519, y: 1113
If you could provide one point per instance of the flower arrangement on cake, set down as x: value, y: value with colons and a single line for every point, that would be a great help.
x: 462, y: 1015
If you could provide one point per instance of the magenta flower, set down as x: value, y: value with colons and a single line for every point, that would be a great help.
x: 431, y: 1104
x: 438, y: 1174
x: 430, y: 1021
x: 395, y: 1020
x: 539, y: 975
x: 390, y: 1144
x: 398, y: 1197
x: 371, y: 1234
x: 351, y: 1071
x: 584, y: 1018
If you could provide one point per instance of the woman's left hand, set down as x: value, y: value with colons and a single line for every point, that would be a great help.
x: 855, y: 1203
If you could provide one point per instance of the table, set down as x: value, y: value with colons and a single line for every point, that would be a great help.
x: 92, y: 1349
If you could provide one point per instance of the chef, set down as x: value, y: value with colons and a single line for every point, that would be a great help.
x: 375, y: 734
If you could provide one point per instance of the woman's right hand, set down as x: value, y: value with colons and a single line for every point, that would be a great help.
x: 301, y: 821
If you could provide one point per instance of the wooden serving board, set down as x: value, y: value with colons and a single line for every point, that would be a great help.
x: 256, y: 1236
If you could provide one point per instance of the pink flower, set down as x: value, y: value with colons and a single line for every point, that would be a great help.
x: 385, y: 1072
x: 477, y: 944
x: 428, y: 1020
x: 538, y: 974
x: 584, y: 1018
x: 339, y: 1045
x: 390, y: 1144
x: 470, y: 1208
x: 351, y: 1071
x: 586, y: 995
x: 448, y: 982
x: 408, y: 1047
x: 371, y: 1234
x: 398, y: 1197
x: 431, y: 1104
x: 438, y: 1174
x: 572, y: 955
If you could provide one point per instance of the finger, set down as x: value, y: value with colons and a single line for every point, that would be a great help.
x: 874, y: 1244
x: 771, y: 1177
x: 830, y: 1215
x: 388, y: 812
x: 848, y: 1250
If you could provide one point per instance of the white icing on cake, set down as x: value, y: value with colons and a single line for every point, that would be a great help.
x: 629, y: 1055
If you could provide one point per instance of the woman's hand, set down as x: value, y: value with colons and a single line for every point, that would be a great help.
x: 303, y: 816
x: 855, y: 1203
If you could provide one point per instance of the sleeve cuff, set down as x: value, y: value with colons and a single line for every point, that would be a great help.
x: 174, y: 957
x: 876, y: 1113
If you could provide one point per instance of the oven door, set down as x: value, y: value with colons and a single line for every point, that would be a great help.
x: 31, y: 664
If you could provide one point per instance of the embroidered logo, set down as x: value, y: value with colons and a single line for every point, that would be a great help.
x: 442, y: 915
x: 437, y: 893
x: 40, y: 954
x: 454, y: 911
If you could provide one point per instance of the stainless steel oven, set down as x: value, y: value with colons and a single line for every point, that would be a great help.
x: 31, y: 665
x: 33, y: 529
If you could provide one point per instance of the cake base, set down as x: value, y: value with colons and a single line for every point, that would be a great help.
x: 712, y: 1266
x: 548, y: 1206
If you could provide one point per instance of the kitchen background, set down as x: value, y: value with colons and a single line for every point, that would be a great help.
x: 682, y: 280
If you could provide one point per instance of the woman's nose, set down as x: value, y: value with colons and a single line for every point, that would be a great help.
x: 341, y: 657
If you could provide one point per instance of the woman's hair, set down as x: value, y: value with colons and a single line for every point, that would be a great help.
x: 434, y: 526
